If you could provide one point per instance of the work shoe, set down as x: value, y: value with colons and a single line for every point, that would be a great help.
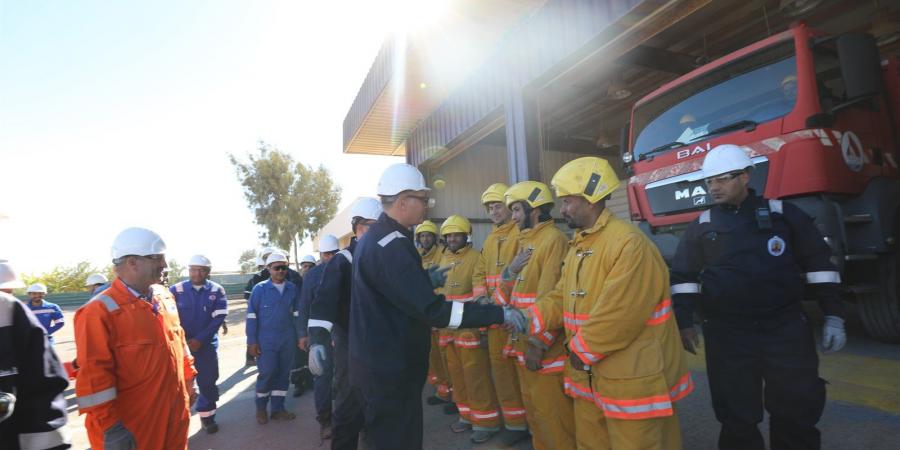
x: 283, y: 415
x: 435, y: 400
x: 450, y: 409
x: 460, y: 427
x: 482, y: 436
x: 261, y: 417
x: 209, y: 425
x: 508, y: 438
x: 325, y: 430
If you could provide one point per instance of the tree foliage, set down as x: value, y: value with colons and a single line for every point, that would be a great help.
x: 247, y: 261
x: 289, y: 199
x: 68, y: 278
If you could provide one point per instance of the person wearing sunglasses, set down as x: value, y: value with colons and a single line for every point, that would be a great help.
x: 747, y: 262
x: 272, y: 320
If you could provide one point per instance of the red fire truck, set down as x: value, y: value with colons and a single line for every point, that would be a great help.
x: 819, y: 116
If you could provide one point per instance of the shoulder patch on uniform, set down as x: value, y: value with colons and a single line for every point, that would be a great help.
x: 776, y: 246
x: 390, y: 237
x: 107, y: 301
x: 346, y: 253
x: 179, y: 287
x: 704, y: 218
x: 776, y: 206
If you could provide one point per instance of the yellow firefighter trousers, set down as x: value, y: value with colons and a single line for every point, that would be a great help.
x: 506, y: 381
x: 469, y: 366
x: 437, y: 368
x: 550, y: 412
x: 594, y: 431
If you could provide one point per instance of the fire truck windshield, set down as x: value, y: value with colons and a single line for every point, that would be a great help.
x: 757, y: 88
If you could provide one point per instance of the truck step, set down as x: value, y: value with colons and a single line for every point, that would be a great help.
x: 858, y: 218
x: 861, y: 257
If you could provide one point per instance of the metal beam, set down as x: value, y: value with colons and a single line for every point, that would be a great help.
x: 523, y: 137
x: 659, y: 59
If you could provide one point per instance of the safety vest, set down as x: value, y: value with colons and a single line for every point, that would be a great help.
x: 613, y: 300
x: 499, y: 249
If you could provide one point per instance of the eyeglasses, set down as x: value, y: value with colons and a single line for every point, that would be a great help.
x: 428, y: 202
x: 723, y: 178
x: 153, y: 257
x: 279, y: 268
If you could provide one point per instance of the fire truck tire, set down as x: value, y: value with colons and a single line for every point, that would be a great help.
x: 880, y: 311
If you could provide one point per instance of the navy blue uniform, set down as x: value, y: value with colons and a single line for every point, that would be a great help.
x: 748, y: 268
x: 30, y: 369
x: 322, y: 383
x: 329, y: 318
x: 272, y: 320
x: 202, y: 311
x: 393, y: 310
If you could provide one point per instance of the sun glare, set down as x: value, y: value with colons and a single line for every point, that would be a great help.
x: 410, y: 16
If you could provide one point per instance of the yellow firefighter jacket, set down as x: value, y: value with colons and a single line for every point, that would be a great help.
x: 431, y: 257
x: 458, y: 288
x: 613, y: 300
x: 536, y: 280
x: 498, y: 250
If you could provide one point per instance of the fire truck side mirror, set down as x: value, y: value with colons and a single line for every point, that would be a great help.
x: 860, y: 65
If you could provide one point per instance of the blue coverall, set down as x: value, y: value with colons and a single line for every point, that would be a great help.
x: 392, y: 312
x: 322, y: 383
x: 202, y: 312
x: 49, y: 315
x: 272, y: 321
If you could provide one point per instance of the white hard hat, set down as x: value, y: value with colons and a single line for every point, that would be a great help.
x: 137, y: 241
x: 266, y: 251
x: 260, y: 261
x: 401, y: 177
x: 96, y: 278
x: 329, y: 243
x: 367, y: 208
x: 37, y: 287
x: 725, y: 158
x: 275, y: 257
x: 199, y: 260
x: 8, y: 277
x: 308, y: 259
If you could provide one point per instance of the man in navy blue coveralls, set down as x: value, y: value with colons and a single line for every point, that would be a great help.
x: 748, y: 262
x: 393, y: 310
x: 202, y: 307
x: 272, y: 320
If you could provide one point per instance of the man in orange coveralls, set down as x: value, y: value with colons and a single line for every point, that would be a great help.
x: 136, y: 377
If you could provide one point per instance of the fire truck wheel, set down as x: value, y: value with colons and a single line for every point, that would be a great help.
x: 880, y: 311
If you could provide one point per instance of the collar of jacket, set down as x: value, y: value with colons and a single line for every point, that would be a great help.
x: 352, y: 245
x: 505, y: 228
x: 750, y: 203
x: 529, y: 233
x: 436, y: 248
x: 462, y: 252
x: 598, y: 225
x: 271, y: 284
x: 385, y: 219
x: 123, y: 289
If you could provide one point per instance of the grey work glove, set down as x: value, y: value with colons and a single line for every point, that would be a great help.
x: 833, y: 335
x: 484, y: 300
x: 438, y: 275
x: 520, y: 261
x: 514, y: 321
x: 318, y: 357
x: 117, y: 437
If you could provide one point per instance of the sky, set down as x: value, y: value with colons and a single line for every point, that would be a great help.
x: 118, y: 114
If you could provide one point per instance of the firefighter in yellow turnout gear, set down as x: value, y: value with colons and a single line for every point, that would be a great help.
x: 431, y: 250
x: 498, y: 250
x: 468, y: 362
x: 541, y: 358
x: 627, y: 368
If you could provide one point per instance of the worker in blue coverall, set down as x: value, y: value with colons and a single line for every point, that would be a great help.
x: 329, y: 320
x: 202, y: 307
x: 48, y: 314
x: 96, y: 283
x: 328, y: 246
x: 393, y: 310
x: 272, y: 320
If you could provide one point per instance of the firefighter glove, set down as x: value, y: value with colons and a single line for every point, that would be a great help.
x: 318, y: 357
x: 438, y: 275
x: 515, y: 321
x: 833, y: 335
x: 518, y: 263
x: 117, y: 437
x: 483, y: 300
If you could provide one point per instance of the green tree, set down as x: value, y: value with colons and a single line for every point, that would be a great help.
x: 64, y: 278
x: 175, y: 271
x: 289, y: 199
x: 247, y: 261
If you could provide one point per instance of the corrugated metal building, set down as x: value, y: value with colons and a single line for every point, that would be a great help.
x: 545, y: 82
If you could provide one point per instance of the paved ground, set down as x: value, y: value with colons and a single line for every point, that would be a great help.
x: 863, y: 411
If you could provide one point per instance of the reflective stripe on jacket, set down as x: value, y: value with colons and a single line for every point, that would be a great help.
x: 499, y: 249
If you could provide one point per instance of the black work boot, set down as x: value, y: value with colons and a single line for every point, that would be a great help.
x: 209, y: 425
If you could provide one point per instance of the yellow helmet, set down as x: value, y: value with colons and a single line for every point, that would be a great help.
x: 534, y: 193
x: 494, y: 193
x: 456, y: 224
x: 427, y: 226
x: 589, y: 177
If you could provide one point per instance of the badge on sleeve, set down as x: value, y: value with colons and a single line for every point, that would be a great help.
x: 776, y: 246
x: 212, y: 297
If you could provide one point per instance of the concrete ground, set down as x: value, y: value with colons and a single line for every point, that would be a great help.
x: 863, y: 410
